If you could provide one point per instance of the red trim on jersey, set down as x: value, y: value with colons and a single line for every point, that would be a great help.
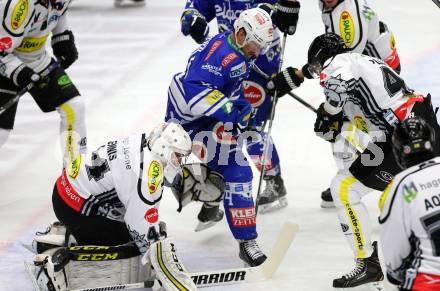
x: 68, y: 194
x: 393, y: 60
x: 426, y: 282
x: 403, y: 110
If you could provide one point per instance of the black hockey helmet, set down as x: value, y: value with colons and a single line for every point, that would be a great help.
x: 413, y: 142
x: 322, y: 48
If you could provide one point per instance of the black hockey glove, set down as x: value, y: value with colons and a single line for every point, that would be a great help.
x: 287, y: 16
x: 194, y: 24
x: 23, y: 76
x: 328, y: 126
x: 64, y: 48
x: 284, y: 82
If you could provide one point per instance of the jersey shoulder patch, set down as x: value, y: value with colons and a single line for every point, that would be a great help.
x: 16, y: 16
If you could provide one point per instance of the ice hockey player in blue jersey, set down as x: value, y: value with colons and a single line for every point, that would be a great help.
x: 208, y: 101
x: 284, y: 14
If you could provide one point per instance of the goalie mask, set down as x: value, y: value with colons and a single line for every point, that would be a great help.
x: 170, y: 143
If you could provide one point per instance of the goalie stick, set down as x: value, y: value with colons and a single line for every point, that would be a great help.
x: 217, y: 277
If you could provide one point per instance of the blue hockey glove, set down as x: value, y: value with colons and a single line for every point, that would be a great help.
x: 244, y: 109
x: 194, y: 24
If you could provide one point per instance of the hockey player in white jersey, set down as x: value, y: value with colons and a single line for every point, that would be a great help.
x: 373, y: 97
x: 362, y: 31
x: 114, y: 200
x: 410, y: 210
x: 26, y: 28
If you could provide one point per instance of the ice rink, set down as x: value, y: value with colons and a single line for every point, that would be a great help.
x: 126, y: 60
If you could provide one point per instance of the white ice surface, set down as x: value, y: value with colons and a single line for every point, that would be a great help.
x: 127, y: 58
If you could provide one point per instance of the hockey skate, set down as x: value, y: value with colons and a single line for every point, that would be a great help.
x: 250, y: 253
x: 367, y: 273
x: 327, y: 199
x: 273, y: 196
x: 129, y: 3
x: 208, y: 217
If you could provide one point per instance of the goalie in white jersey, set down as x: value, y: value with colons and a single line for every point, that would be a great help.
x: 113, y: 199
x: 410, y: 210
x: 372, y: 96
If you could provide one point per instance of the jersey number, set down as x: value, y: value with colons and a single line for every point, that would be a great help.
x: 392, y: 82
x: 431, y: 223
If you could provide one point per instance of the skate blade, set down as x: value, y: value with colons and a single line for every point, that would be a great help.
x: 374, y: 286
x: 274, y: 206
x: 204, y: 225
x: 327, y: 204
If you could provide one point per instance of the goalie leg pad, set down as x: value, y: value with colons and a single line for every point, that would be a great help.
x: 168, y: 267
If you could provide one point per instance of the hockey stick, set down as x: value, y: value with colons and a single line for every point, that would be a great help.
x: 28, y: 87
x: 269, y: 130
x: 219, y: 277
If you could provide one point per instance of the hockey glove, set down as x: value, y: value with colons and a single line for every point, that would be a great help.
x: 194, y: 24
x: 328, y: 126
x: 284, y: 82
x: 23, y: 76
x: 244, y: 110
x: 287, y: 16
x: 64, y: 48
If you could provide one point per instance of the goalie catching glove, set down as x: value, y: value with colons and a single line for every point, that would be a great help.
x: 199, y: 184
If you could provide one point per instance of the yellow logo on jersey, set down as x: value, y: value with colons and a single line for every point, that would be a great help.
x: 392, y: 42
x: 213, y: 97
x: 74, y: 167
x: 19, y: 14
x: 346, y: 27
x: 154, y: 176
x: 32, y: 44
x: 361, y: 124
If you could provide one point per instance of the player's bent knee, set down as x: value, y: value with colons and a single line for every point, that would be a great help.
x: 343, y: 190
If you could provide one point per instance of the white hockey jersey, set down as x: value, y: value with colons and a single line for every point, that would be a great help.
x: 358, y: 25
x: 370, y: 93
x: 410, y: 223
x: 121, y: 181
x: 24, y: 31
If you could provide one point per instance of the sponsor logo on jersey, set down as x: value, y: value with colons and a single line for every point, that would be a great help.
x: 220, y: 136
x: 242, y: 217
x: 346, y: 27
x: 344, y: 227
x: 385, y: 176
x: 227, y: 107
x: 215, y: 278
x: 64, y: 81
x: 19, y: 14
x: 212, y: 49
x: 212, y: 69
x: 154, y: 176
x: 152, y: 215
x: 238, y: 70
x: 432, y: 202
x: 228, y: 59
x: 361, y: 124
x: 410, y: 192
x: 68, y: 193
x: 5, y: 43
x: 254, y: 93
x: 112, y: 150
x: 32, y: 44
x: 214, y: 97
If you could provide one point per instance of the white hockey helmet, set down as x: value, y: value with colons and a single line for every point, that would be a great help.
x: 169, y: 142
x: 258, y: 27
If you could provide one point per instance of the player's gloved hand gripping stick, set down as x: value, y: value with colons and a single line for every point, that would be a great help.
x: 28, y: 87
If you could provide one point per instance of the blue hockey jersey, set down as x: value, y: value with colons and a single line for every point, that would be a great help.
x: 202, y: 94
